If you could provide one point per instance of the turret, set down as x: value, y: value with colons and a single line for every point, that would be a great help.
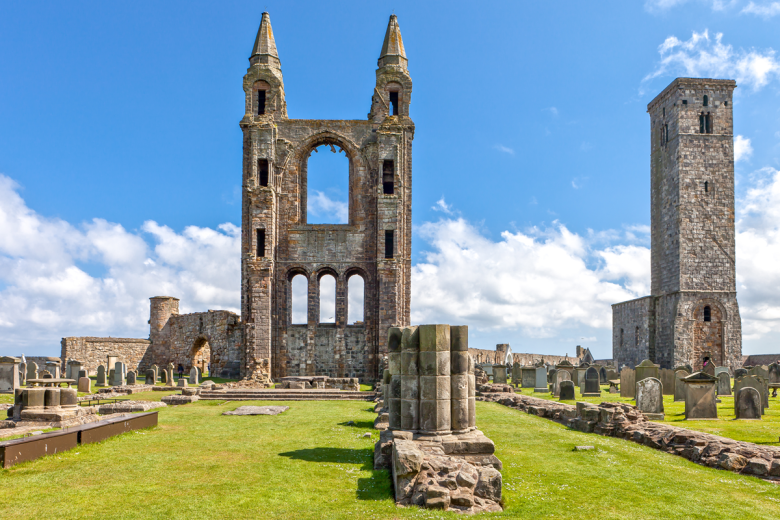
x: 263, y: 83
x: 393, y: 90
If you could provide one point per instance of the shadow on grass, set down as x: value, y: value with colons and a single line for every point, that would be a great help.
x: 358, y: 424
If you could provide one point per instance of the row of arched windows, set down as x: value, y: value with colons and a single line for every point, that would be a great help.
x: 300, y: 299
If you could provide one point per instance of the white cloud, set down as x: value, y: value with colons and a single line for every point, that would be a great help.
x: 553, y: 111
x: 763, y: 10
x: 701, y: 56
x: 742, y: 148
x: 655, y: 6
x: 327, y: 209
x: 505, y: 149
x: 441, y: 205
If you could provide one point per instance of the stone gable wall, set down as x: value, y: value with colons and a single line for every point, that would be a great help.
x: 92, y: 352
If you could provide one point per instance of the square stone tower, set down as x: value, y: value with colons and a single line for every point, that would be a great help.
x: 692, y: 315
x: 278, y: 243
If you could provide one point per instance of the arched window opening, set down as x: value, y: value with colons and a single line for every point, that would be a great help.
x: 260, y: 243
x: 262, y: 172
x: 327, y: 299
x: 327, y: 186
x: 261, y: 88
x: 706, y: 100
x: 388, y: 177
x: 701, y: 123
x: 356, y: 297
x: 300, y: 300
x: 393, y: 103
x: 708, y: 123
x: 389, y: 245
x: 707, y: 313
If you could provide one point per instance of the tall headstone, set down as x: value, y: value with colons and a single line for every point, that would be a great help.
x: 85, y: 385
x: 101, y: 376
x: 528, y: 377
x: 700, y: 396
x: 541, y: 379
x: 194, y: 376
x: 667, y: 380
x: 156, y: 372
x: 650, y: 399
x: 499, y: 374
x: 119, y: 379
x: 151, y: 377
x: 9, y: 374
x: 23, y: 373
x: 747, y: 403
x: 724, y: 384
x: 679, y: 386
x: 749, y: 381
x: 592, y: 383
x: 709, y: 369
x: 164, y: 377
x: 627, y: 382
x: 53, y: 367
x: 719, y: 370
x: 647, y: 369
x: 560, y: 376
x: 131, y: 378
x: 774, y: 373
x: 169, y: 369
x: 32, y: 370
x: 567, y: 390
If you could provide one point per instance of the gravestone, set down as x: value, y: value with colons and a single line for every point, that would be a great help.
x: 667, y: 380
x: 499, y: 374
x: 131, y: 378
x: 740, y: 372
x: 647, y: 369
x: 23, y: 374
x: 82, y: 373
x: 602, y: 375
x: 760, y: 371
x: 592, y: 383
x: 194, y: 376
x: 164, y: 377
x: 119, y: 378
x: 528, y: 377
x: 567, y: 390
x: 747, y: 403
x: 67, y: 369
x: 560, y: 377
x: 749, y: 381
x: 85, y: 385
x: 774, y: 373
x: 53, y: 368
x: 32, y: 370
x: 700, y: 395
x: 649, y: 398
x: 565, y: 365
x: 679, y: 386
x: 9, y: 374
x: 183, y: 383
x: 718, y: 370
x: 708, y: 369
x: 517, y: 377
x: 627, y: 383
x: 156, y: 372
x: 612, y: 374
x: 169, y: 369
x: 111, y: 360
x: 151, y: 377
x: 74, y: 368
x: 579, y: 374
x: 724, y: 384
x: 111, y: 377
x: 551, y: 376
x: 541, y: 379
x: 101, y: 376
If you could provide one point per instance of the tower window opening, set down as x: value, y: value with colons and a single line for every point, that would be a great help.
x: 725, y: 103
x: 666, y: 133
x: 394, y: 103
x: 260, y: 243
x: 388, y: 177
x: 260, y: 102
x: 636, y: 336
x: 621, y: 337
x: 706, y: 101
x: 685, y: 101
x: 708, y: 123
x: 389, y: 239
x: 706, y: 186
x: 664, y: 111
x: 262, y: 171
x: 707, y: 313
x: 701, y: 123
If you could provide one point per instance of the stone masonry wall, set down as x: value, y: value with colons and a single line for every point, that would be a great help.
x: 93, y: 352
x: 493, y: 356
x: 632, y: 322
x: 326, y: 362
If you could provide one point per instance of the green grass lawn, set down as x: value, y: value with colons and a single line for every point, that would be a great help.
x: 766, y: 431
x: 306, y: 463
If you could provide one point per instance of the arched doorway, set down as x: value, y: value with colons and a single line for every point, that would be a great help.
x: 707, y: 335
x: 201, y: 354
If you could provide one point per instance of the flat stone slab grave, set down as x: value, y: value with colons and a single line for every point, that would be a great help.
x: 258, y: 410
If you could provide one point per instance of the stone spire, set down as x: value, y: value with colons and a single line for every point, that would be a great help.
x: 393, y: 47
x: 264, y: 50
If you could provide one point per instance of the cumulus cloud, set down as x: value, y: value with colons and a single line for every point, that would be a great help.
x: 327, y: 210
x: 768, y: 10
x: 742, y: 148
x: 441, y: 205
x: 48, y: 288
x: 701, y: 56
x: 505, y: 149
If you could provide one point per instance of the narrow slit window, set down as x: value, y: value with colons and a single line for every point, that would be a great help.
x: 708, y: 123
x: 393, y: 103
x: 636, y: 336
x: 260, y: 102
x: 389, y: 239
x: 701, y: 123
x: 707, y: 313
x: 666, y: 134
x: 388, y: 177
x: 706, y: 186
x: 706, y: 101
x: 260, y: 243
x: 685, y: 101
x: 262, y: 171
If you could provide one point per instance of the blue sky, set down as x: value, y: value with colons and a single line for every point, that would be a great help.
x: 120, y: 152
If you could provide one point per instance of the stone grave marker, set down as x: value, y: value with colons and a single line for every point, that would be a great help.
x: 499, y: 374
x: 760, y: 371
x: 541, y: 379
x: 679, y: 386
x: 131, y: 378
x: 183, y: 382
x: 724, y: 384
x: 32, y: 370
x: 85, y: 385
x: 612, y: 374
x: 551, y: 376
x: 101, y: 376
x: 647, y: 369
x: 700, y: 395
x: 718, y: 370
x: 9, y: 374
x: 560, y: 376
x: 592, y: 383
x: 53, y: 368
x: 627, y: 383
x: 82, y: 373
x: 774, y: 373
x: 169, y: 377
x: 579, y: 374
x: 603, y: 375
x: 194, y: 376
x: 747, y: 403
x: 567, y: 390
x: 517, y: 377
x: 156, y: 371
x: 528, y: 377
x: 164, y: 377
x: 740, y: 372
x: 565, y: 365
x: 667, y: 380
x: 67, y: 369
x: 751, y: 382
x: 151, y: 377
x: 649, y: 398
x: 23, y: 374
x: 111, y: 377
x: 709, y: 369
x: 119, y: 378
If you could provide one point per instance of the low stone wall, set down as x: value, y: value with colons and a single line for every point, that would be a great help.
x: 626, y: 422
x: 480, y: 355
x: 93, y: 352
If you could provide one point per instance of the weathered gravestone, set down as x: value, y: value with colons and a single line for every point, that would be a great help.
x: 560, y: 376
x: 53, y: 367
x: 23, y: 374
x: 700, y: 395
x: 528, y: 377
x: 760, y: 371
x: 724, y: 384
x: 718, y: 370
x: 517, y: 377
x: 592, y: 383
x: 551, y: 376
x: 567, y: 390
x: 679, y: 386
x: 164, y: 377
x: 565, y: 365
x: 579, y: 374
x: 740, y: 372
x: 667, y: 380
x: 101, y: 376
x: 602, y: 375
x: 649, y: 398
x: 9, y: 374
x: 541, y: 379
x: 156, y: 371
x: 499, y: 374
x: 150, y: 377
x: 119, y: 378
x: 647, y: 369
x: 194, y: 376
x: 85, y: 385
x: 131, y: 378
x: 111, y: 377
x: 749, y: 381
x: 32, y: 370
x: 709, y: 369
x: 82, y: 373
x: 183, y: 382
x: 627, y: 383
x: 774, y: 373
x: 169, y: 376
x: 747, y: 403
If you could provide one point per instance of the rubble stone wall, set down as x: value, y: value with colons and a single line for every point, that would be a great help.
x: 93, y: 352
x: 326, y: 361
x: 632, y: 322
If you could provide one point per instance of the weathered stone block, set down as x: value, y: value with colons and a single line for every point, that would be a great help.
x: 459, y: 385
x: 435, y: 387
x: 434, y: 338
x: 459, y: 338
x: 435, y: 415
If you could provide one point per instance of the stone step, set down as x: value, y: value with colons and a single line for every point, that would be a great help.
x: 286, y: 395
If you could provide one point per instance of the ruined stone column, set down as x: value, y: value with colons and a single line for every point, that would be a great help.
x: 410, y: 382
x: 394, y: 336
x: 459, y: 378
x: 435, y: 385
